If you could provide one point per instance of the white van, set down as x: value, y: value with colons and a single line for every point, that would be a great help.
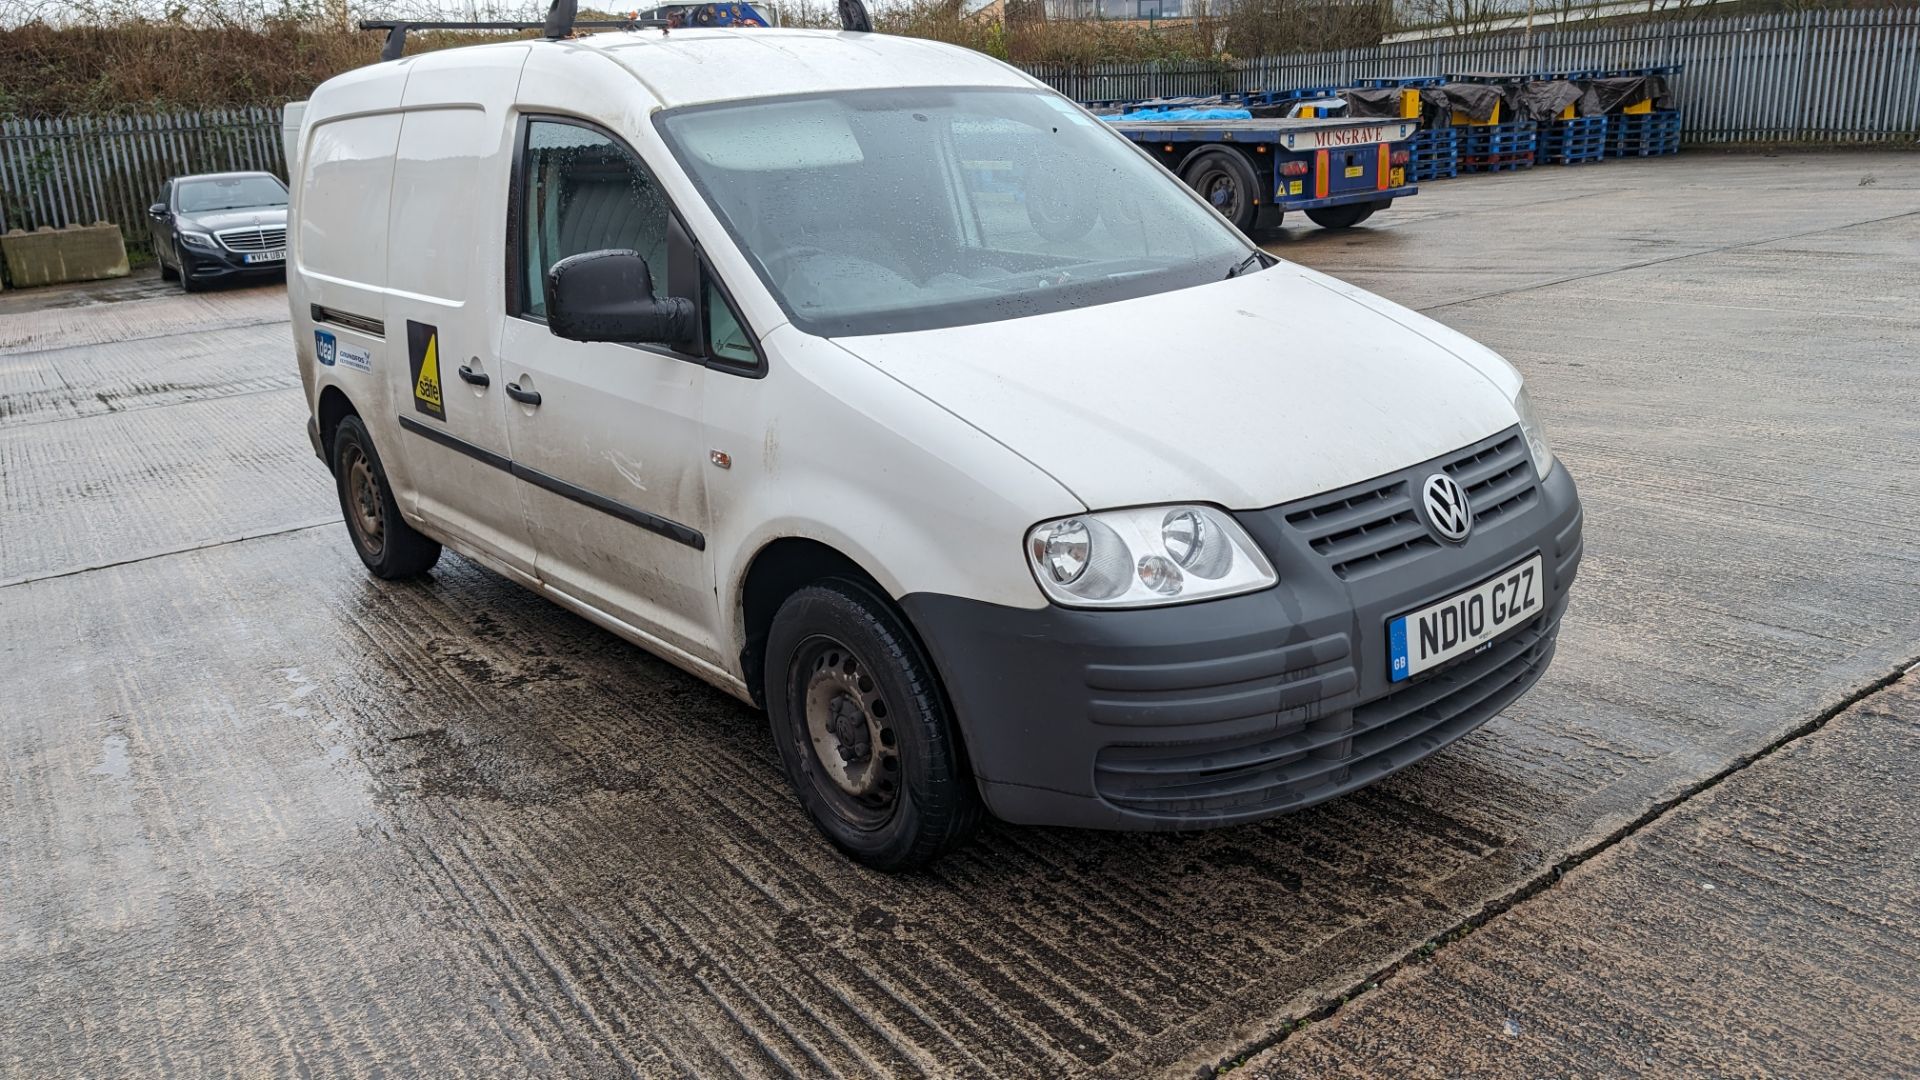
x: 880, y: 386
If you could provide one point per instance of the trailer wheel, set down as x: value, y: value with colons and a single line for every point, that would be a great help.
x: 1341, y: 217
x: 1225, y: 179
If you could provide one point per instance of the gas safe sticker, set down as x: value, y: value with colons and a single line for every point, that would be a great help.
x: 423, y: 355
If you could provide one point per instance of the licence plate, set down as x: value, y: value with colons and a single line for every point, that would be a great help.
x: 267, y: 256
x: 1464, y: 621
x: 1355, y: 170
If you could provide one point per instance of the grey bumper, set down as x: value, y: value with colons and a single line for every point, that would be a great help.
x: 1233, y: 710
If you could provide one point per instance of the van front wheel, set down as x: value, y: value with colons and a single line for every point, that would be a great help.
x: 863, y: 728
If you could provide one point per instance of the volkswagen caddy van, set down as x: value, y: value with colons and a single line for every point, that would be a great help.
x: 881, y: 387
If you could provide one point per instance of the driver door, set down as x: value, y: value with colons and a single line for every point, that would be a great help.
x: 608, y: 438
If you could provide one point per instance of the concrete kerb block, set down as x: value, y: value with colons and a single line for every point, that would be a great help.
x: 50, y: 256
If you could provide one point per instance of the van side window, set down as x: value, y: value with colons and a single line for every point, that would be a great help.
x: 726, y: 336
x: 582, y: 191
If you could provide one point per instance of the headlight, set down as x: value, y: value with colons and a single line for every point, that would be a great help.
x: 1146, y: 556
x: 1536, y: 435
x: 196, y: 239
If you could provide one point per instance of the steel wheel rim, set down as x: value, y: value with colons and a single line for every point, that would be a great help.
x: 848, y: 729
x: 1221, y: 191
x: 363, y: 501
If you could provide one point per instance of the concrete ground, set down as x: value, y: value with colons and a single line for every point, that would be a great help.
x: 267, y: 814
x: 1768, y: 927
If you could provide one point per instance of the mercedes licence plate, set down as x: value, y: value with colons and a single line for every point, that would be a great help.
x: 1464, y: 621
x: 268, y: 256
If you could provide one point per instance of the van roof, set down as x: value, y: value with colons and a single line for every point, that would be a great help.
x: 691, y: 66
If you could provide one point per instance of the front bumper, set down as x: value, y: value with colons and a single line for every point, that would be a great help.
x: 1234, y: 710
x: 221, y: 263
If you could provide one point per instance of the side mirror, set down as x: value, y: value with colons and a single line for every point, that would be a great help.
x: 158, y: 209
x: 608, y: 296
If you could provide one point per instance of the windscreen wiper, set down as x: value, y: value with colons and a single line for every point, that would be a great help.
x: 1241, y: 267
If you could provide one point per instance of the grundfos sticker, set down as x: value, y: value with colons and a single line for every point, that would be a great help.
x: 357, y: 357
x: 423, y: 354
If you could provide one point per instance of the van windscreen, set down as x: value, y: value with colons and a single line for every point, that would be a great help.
x: 884, y: 211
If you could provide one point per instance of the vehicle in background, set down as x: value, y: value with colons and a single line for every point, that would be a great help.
x: 219, y: 226
x: 767, y: 351
x: 1254, y: 169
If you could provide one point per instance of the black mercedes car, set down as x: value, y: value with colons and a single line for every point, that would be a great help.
x: 219, y: 226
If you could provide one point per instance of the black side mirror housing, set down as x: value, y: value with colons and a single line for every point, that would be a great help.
x: 608, y: 296
x: 158, y: 209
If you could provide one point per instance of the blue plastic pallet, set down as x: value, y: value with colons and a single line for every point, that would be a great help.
x: 1408, y: 82
x: 1496, y: 163
x: 1433, y: 154
x: 1497, y: 147
x: 1490, y: 78
x: 1643, y: 134
x: 1573, y: 142
x: 1278, y: 97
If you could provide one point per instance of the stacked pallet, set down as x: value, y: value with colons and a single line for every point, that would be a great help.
x: 1574, y: 140
x: 1504, y: 147
x: 1433, y: 154
x: 1645, y: 134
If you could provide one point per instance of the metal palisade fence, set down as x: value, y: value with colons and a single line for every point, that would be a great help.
x: 78, y: 170
x: 1813, y: 76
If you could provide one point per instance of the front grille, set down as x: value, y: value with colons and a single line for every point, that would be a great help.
x: 1498, y: 480
x: 1366, y: 532
x: 254, y: 238
x: 1373, y: 527
x: 1315, y: 757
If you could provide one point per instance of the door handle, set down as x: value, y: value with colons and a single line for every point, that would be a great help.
x: 477, y: 378
x: 524, y: 397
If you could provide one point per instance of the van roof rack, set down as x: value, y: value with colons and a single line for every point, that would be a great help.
x: 560, y: 23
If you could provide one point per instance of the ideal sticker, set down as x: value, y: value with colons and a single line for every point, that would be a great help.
x: 325, y: 347
x: 423, y: 355
x: 357, y: 357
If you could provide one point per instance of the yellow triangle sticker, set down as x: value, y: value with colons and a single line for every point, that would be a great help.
x: 426, y: 386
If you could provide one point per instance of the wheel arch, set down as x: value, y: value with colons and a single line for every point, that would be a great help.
x: 332, y: 407
x: 779, y: 568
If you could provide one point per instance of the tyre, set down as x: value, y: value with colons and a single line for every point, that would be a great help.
x: 864, y: 730
x: 1226, y: 180
x: 389, y: 546
x: 1341, y: 217
x: 167, y: 273
x: 1268, y: 229
x: 188, y: 283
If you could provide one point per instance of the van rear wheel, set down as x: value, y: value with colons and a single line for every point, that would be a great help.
x: 863, y: 729
x: 388, y: 546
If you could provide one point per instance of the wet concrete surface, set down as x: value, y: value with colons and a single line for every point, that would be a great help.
x: 1767, y: 927
x: 267, y: 814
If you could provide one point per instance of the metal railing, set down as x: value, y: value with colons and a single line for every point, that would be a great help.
x: 81, y: 169
x: 1816, y: 76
